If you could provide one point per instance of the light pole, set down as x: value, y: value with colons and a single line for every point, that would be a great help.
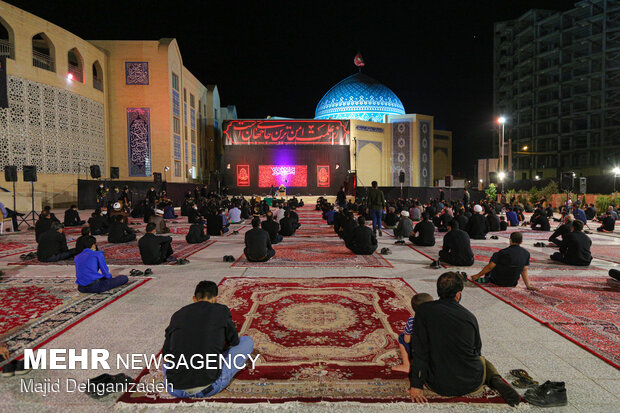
x: 501, y: 176
x: 502, y: 121
x: 616, y: 172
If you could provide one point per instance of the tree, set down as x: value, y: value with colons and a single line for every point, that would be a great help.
x: 491, y: 191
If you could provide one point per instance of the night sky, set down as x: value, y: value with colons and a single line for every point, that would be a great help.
x: 279, y: 58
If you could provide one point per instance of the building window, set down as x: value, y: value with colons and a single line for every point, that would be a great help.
x: 177, y: 168
x: 6, y: 40
x: 184, y: 95
x: 43, y: 52
x: 175, y: 81
x: 192, y: 101
x: 176, y: 122
x: 193, y: 136
x: 97, y: 76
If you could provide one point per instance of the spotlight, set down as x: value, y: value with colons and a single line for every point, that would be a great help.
x: 166, y: 168
x: 337, y: 165
x: 501, y: 120
x: 227, y: 166
x: 69, y: 76
x: 501, y: 175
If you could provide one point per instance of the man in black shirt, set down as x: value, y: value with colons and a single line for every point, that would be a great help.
x: 196, y: 234
x: 287, y: 225
x: 44, y: 223
x: 215, y: 225
x: 119, y: 231
x: 199, y: 329
x: 539, y: 221
x: 423, y: 232
x: 294, y: 217
x: 456, y: 247
x: 258, y: 243
x: 562, y: 230
x: 155, y: 249
x: 508, y: 264
x: 98, y: 223
x: 348, y: 226
x: 363, y: 240
x: 53, y: 245
x: 72, y: 217
x: 575, y: 247
x: 493, y: 221
x: 272, y: 227
x: 446, y: 348
x: 609, y: 223
x: 477, y: 226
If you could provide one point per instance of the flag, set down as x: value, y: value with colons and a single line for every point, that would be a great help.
x: 358, y: 60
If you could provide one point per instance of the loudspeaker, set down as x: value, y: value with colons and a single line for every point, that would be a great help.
x: 567, y: 181
x: 401, y: 177
x: 157, y: 177
x: 30, y: 173
x: 95, y: 171
x: 114, y: 172
x: 448, y: 180
x: 10, y: 173
x: 583, y: 184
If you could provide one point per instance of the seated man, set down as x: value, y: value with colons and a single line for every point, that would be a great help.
x: 348, y: 226
x: 539, y: 221
x: 83, y: 241
x: 53, y: 245
x: 272, y: 227
x: 72, y: 217
x: 203, y: 328
x: 222, y: 214
x: 562, y: 230
x: 609, y: 223
x: 119, y: 231
x: 234, y: 215
x: 456, y: 248
x: 446, y: 345
x: 404, y: 227
x: 294, y: 217
x: 258, y: 244
x: 98, y: 222
x: 91, y: 272
x: 493, y: 221
x: 215, y: 224
x: 477, y: 226
x: 169, y: 211
x: 363, y: 240
x: 155, y: 249
x: 508, y: 264
x: 503, y: 224
x: 512, y: 217
x: 44, y: 223
x: 9, y: 213
x: 160, y: 223
x: 575, y: 247
x: 423, y: 232
x: 193, y: 216
x: 391, y: 219
x: 287, y: 225
x: 197, y: 234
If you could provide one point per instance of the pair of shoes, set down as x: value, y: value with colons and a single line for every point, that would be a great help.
x: 228, y: 258
x: 400, y: 242
x: 463, y: 275
x: 524, y: 380
x: 539, y: 244
x: 494, y: 237
x: 548, y: 394
x: 182, y: 261
x: 235, y: 232
x: 14, y: 368
x: 385, y: 251
x: 135, y: 273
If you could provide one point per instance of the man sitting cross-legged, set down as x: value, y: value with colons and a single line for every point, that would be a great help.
x: 53, y: 245
x: 363, y: 240
x: 155, y: 249
x: 287, y: 225
x: 257, y: 243
x: 423, y: 232
x: 562, y: 230
x: 404, y: 227
x: 204, y: 329
x: 508, y: 264
x: 608, y: 224
x: 197, y: 233
x: 446, y: 346
x: 91, y: 272
x: 574, y: 247
x: 456, y: 248
x: 72, y: 217
x: 119, y: 232
x: 272, y: 227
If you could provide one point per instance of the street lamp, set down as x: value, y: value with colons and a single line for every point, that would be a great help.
x: 501, y: 176
x: 616, y: 172
x: 502, y: 121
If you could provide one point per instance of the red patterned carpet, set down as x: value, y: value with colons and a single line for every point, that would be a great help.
x: 320, y: 339
x: 9, y: 248
x: 34, y: 310
x: 293, y: 253
x: 128, y: 253
x: 316, y: 231
x: 606, y: 252
x: 583, y: 309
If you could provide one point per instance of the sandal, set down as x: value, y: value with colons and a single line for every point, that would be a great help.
x: 524, y: 383
x: 148, y: 271
x: 135, y: 273
x: 522, y: 374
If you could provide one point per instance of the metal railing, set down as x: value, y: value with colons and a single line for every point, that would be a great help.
x: 43, y: 61
x: 76, y: 72
x: 6, y: 48
x: 98, y: 84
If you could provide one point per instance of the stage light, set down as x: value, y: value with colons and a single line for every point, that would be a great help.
x: 228, y: 166
x: 337, y: 165
x: 501, y: 176
x: 501, y: 120
x: 525, y: 148
x: 69, y: 76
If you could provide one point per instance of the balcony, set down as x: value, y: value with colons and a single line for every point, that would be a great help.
x: 75, y: 73
x: 6, y: 49
x: 43, y: 61
x: 98, y: 84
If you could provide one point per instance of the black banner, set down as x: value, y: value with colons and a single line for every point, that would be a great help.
x: 4, y: 96
x: 286, y: 132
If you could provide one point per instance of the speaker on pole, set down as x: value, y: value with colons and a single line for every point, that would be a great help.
x: 583, y: 184
x: 114, y: 172
x: 95, y: 172
x: 567, y: 181
x: 10, y: 173
x: 401, y: 177
x: 157, y: 177
x: 30, y: 173
x: 448, y: 181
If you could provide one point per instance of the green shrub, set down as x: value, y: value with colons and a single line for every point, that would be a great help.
x: 602, y: 202
x: 491, y: 192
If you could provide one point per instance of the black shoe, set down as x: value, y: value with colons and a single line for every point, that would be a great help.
x: 385, y: 251
x: 508, y: 393
x: 436, y: 265
x: 380, y: 233
x: 148, y: 271
x: 400, y: 242
x: 494, y: 237
x: 548, y: 394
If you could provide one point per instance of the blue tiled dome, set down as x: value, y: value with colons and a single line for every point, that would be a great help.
x: 359, y: 97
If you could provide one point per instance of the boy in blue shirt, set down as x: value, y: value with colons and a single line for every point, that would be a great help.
x: 91, y: 271
x: 404, y: 340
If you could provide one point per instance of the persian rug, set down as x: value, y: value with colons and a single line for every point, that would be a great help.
x: 582, y: 309
x: 315, y: 231
x: 319, y: 339
x: 606, y: 252
x: 35, y: 310
x: 9, y: 248
x: 293, y: 253
x: 127, y: 253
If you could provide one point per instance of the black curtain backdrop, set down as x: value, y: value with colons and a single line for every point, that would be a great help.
x: 310, y: 155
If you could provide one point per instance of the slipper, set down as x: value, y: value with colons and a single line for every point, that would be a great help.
x: 521, y: 374
x: 148, y: 271
x: 524, y: 383
x: 135, y: 273
x: 235, y: 232
x: 494, y: 237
